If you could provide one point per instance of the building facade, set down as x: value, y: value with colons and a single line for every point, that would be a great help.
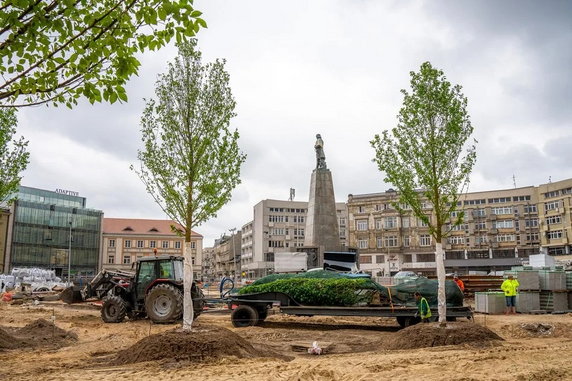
x: 4, y: 222
x: 278, y: 226
x: 226, y: 255
x: 500, y: 229
x: 125, y: 240
x: 48, y: 228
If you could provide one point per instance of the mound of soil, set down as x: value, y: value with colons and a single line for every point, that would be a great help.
x: 39, y: 333
x: 203, y: 343
x: 7, y: 341
x: 432, y: 335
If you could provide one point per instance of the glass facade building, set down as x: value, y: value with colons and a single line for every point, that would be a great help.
x: 44, y: 224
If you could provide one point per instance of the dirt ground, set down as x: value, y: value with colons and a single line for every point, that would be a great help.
x: 81, y: 347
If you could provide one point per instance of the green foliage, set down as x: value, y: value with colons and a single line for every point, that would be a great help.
x: 13, y: 156
x: 423, y: 155
x: 319, y: 291
x: 191, y: 160
x: 57, y: 51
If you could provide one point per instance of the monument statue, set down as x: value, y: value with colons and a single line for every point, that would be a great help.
x: 320, y: 156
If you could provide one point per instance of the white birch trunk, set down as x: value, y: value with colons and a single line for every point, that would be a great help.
x: 187, y: 284
x: 441, y: 296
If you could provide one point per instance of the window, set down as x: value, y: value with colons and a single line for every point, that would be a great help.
x: 165, y: 244
x: 532, y: 237
x: 480, y: 226
x: 421, y: 223
x: 127, y: 243
x: 405, y: 222
x: 424, y: 240
x: 277, y: 231
x: 342, y: 233
x: 111, y: 243
x: 380, y: 259
x: 531, y: 222
x: 555, y: 234
x: 406, y: 241
x: 361, y: 209
x: 553, y: 220
x: 425, y: 257
x: 362, y: 244
x: 365, y: 259
x: 379, y: 241
x: 177, y: 244
x: 152, y: 244
x: 301, y: 219
x: 273, y: 218
x: 475, y: 202
x: 530, y: 209
x: 111, y: 260
x: 499, y: 200
x: 479, y: 213
x: 456, y: 240
x: 504, y: 238
x: 521, y: 198
x: 503, y: 224
x: 390, y: 222
x: 426, y: 205
x: 458, y: 228
x: 361, y: 225
x: 553, y: 205
x: 300, y: 232
x: 552, y: 194
x: 342, y: 221
x: 127, y: 260
x: 139, y: 244
x: 390, y: 241
x: 275, y: 243
x: 193, y: 245
x: 501, y: 210
x: 378, y: 224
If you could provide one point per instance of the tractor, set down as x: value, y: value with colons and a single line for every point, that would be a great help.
x: 155, y: 290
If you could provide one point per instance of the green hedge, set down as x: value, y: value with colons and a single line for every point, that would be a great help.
x: 319, y: 291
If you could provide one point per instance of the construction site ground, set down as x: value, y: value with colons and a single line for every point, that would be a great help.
x: 81, y: 347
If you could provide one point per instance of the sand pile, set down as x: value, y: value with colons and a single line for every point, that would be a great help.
x: 38, y: 333
x: 432, y: 335
x: 203, y: 343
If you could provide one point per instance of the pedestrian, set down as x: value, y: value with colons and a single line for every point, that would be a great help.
x: 423, y: 305
x: 459, y: 283
x: 510, y: 286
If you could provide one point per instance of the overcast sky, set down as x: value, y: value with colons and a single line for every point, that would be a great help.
x: 334, y: 67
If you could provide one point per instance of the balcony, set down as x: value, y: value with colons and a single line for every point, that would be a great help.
x: 418, y: 265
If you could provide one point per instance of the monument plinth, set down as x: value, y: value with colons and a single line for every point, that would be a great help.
x: 322, y: 231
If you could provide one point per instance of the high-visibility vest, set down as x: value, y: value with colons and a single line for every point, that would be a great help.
x: 424, y: 310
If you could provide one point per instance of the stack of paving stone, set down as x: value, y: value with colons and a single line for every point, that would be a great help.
x: 528, y: 297
x: 569, y: 288
x: 553, y: 293
x: 489, y: 302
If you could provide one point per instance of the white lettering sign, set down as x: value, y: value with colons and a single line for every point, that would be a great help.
x: 68, y: 192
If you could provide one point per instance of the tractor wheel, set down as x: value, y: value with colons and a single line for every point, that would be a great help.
x: 198, y: 302
x: 113, y: 309
x: 244, y: 316
x: 164, y: 303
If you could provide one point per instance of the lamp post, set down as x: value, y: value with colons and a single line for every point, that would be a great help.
x: 69, y: 255
x: 233, y: 254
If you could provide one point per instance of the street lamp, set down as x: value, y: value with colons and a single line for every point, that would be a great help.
x: 233, y: 253
x: 69, y: 255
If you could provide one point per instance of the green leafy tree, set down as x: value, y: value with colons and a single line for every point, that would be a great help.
x: 426, y: 156
x: 59, y: 50
x: 191, y: 160
x: 13, y: 155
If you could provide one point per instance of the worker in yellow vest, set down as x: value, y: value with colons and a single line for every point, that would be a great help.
x: 510, y: 286
x: 424, y: 310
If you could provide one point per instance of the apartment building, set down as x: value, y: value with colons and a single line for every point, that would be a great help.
x: 278, y: 226
x: 125, y: 240
x: 226, y: 255
x: 500, y: 230
x: 554, y: 217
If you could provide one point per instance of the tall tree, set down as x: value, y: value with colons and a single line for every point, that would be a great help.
x: 57, y: 51
x: 426, y: 156
x: 13, y: 156
x: 191, y: 160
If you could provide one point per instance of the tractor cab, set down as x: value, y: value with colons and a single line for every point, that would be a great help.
x: 153, y: 270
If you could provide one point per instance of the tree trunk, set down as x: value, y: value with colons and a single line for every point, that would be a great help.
x: 187, y: 285
x: 441, y: 296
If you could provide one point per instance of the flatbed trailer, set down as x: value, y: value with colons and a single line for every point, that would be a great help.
x: 252, y: 309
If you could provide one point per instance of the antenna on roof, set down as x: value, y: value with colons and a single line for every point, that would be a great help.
x: 549, y: 179
x: 514, y: 180
x: 292, y: 194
